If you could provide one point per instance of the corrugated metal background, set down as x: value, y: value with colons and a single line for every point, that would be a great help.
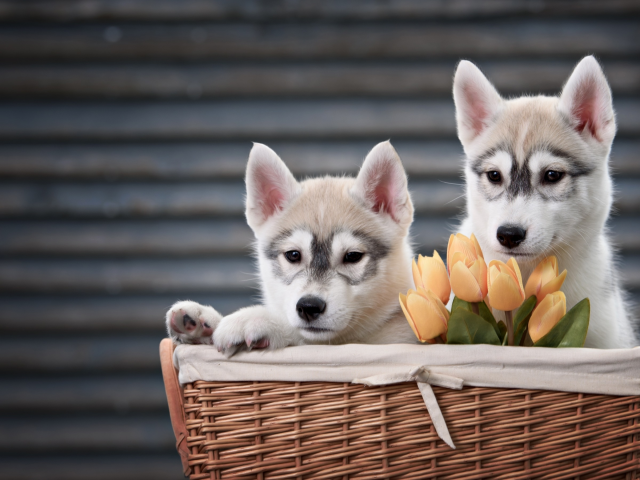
x: 124, y: 130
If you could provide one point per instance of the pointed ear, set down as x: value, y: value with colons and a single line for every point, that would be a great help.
x: 476, y: 100
x: 382, y: 184
x: 270, y: 185
x: 586, y: 101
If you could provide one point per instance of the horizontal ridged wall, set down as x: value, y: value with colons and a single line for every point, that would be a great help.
x: 124, y: 131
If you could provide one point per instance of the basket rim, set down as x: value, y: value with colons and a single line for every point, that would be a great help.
x: 577, y: 370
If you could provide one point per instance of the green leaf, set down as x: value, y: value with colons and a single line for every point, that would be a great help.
x: 467, y: 328
x: 519, y: 332
x: 521, y: 320
x: 457, y: 303
x: 487, y: 316
x: 571, y: 330
x: 503, y: 332
x: 483, y: 311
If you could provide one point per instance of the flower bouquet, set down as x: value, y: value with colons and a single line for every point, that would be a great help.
x: 534, y: 315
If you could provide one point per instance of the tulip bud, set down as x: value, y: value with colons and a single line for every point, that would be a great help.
x: 431, y: 274
x: 462, y: 248
x: 505, y: 285
x: 545, y: 316
x: 467, y: 268
x: 469, y: 283
x: 426, y: 314
x: 545, y: 279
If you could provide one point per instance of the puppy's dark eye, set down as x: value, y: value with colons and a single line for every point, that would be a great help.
x: 552, y: 176
x: 352, y: 257
x: 293, y: 256
x: 494, y: 176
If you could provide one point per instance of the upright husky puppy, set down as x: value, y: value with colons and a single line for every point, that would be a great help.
x: 333, y: 254
x: 538, y: 184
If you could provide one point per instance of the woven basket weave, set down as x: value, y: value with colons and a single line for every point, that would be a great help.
x: 321, y: 430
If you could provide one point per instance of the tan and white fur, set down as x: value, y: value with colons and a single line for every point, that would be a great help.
x: 538, y: 184
x: 332, y: 253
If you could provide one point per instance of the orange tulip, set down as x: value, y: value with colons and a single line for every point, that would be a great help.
x: 467, y: 268
x: 461, y: 247
x: 545, y: 279
x: 429, y: 273
x: 545, y: 316
x: 426, y: 314
x: 469, y: 283
x: 505, y: 285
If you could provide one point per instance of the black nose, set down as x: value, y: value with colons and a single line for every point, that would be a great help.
x: 310, y: 308
x: 510, y: 236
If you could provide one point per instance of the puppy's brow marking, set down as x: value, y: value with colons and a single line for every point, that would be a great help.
x: 577, y: 167
x: 272, y: 250
x: 476, y: 165
x: 520, y: 183
x: 376, y: 250
x: 321, y: 251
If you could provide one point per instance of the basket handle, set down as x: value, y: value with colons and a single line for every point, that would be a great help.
x: 175, y: 401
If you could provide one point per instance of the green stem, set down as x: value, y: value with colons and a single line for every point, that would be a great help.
x: 508, y: 316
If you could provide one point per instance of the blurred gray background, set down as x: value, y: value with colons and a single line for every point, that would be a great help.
x: 124, y: 130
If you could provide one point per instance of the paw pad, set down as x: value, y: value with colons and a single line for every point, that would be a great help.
x: 188, y: 322
x: 191, y: 323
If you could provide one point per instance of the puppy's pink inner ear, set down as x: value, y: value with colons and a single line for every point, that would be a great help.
x: 476, y: 109
x: 382, y: 189
x: 585, y: 111
x: 272, y: 200
x: 382, y: 200
x: 271, y: 192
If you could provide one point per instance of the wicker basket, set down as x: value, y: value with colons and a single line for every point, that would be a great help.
x: 321, y: 430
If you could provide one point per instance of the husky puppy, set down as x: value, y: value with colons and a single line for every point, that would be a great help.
x: 538, y: 184
x: 333, y: 253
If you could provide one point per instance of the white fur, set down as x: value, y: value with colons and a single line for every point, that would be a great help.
x: 566, y: 219
x: 346, y: 213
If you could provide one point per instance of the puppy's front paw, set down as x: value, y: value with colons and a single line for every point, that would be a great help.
x: 251, y: 328
x: 192, y: 323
